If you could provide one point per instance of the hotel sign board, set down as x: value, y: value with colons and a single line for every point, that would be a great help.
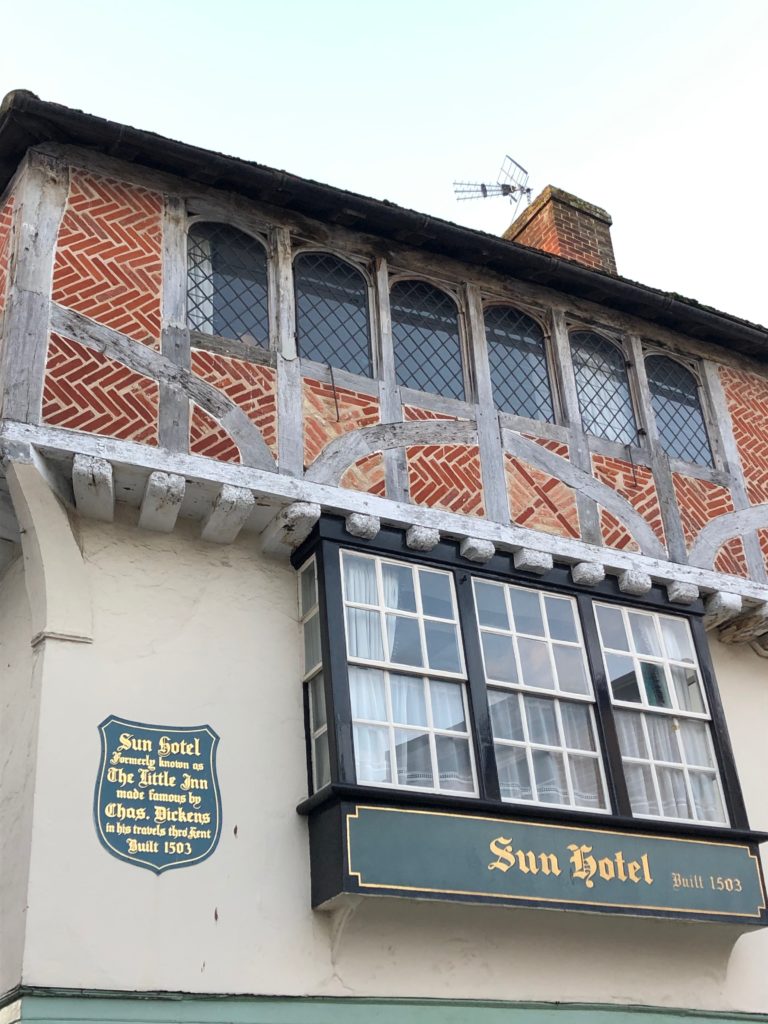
x: 452, y: 856
x: 157, y: 803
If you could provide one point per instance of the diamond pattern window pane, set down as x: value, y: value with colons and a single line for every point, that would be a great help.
x: 676, y: 406
x: 332, y: 324
x: 518, y: 363
x: 227, y: 284
x: 425, y: 334
x: 603, y: 388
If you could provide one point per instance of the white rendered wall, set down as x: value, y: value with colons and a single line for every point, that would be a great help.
x: 187, y: 633
x: 18, y: 738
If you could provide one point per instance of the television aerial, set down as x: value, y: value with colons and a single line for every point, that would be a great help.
x: 512, y: 182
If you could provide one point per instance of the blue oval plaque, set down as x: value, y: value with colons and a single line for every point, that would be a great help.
x: 157, y: 802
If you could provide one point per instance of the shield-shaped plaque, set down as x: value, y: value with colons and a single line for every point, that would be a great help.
x: 157, y: 802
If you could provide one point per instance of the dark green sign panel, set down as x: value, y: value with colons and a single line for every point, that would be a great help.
x: 157, y: 802
x: 458, y: 856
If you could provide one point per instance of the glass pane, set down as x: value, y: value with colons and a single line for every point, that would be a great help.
x: 526, y: 611
x: 227, y: 284
x: 677, y: 639
x: 674, y: 799
x: 499, y: 657
x: 642, y: 795
x: 676, y: 407
x: 542, y: 723
x: 562, y: 625
x: 706, y: 797
x: 317, y: 702
x: 425, y: 336
x: 454, y: 765
x: 505, y: 715
x: 612, y: 627
x: 655, y: 685
x: 569, y: 662
x: 409, y: 706
x: 631, y: 735
x: 442, y: 646
x: 491, y: 606
x: 549, y: 774
x: 364, y: 634
x: 367, y: 691
x: 360, y: 580
x: 332, y: 312
x: 414, y: 762
x: 448, y: 706
x: 312, y: 652
x: 518, y: 363
x: 662, y: 734
x: 399, y: 592
x: 535, y: 664
x: 586, y: 782
x: 514, y: 777
x: 404, y: 640
x: 696, y: 743
x: 372, y: 758
x: 644, y: 634
x: 603, y: 387
x: 577, y: 725
x: 308, y: 589
x: 322, y: 762
x: 436, y: 597
x: 621, y: 672
x: 687, y: 688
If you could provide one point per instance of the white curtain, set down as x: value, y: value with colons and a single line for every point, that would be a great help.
x: 200, y: 283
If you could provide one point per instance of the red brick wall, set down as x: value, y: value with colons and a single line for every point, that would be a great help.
x: 323, y: 424
x: 249, y: 386
x: 539, y: 501
x: 747, y: 396
x: 699, y: 502
x: 444, y: 476
x: 636, y: 484
x: 86, y: 391
x: 108, y: 255
x: 6, y: 217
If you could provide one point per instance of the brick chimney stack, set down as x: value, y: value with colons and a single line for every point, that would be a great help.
x: 564, y: 225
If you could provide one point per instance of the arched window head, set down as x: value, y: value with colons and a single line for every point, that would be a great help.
x: 603, y: 388
x: 426, y: 340
x: 332, y: 322
x: 676, y: 406
x: 518, y: 361
x: 227, y: 284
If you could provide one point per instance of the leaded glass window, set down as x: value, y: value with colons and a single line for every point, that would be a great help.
x: 603, y: 388
x: 426, y: 339
x: 227, y: 291
x: 518, y: 361
x: 332, y: 318
x: 676, y: 406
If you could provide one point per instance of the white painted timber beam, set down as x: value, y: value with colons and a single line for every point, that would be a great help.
x: 720, y: 608
x: 162, y: 500
x: 230, y: 511
x: 94, y: 488
x: 290, y: 527
x: 747, y: 627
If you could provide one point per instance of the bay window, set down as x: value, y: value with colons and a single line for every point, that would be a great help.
x: 446, y: 683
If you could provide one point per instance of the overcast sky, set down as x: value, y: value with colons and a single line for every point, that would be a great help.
x: 654, y: 110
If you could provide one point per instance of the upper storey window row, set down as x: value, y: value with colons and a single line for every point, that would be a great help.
x: 228, y: 296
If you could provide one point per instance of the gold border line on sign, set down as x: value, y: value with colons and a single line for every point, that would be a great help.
x: 547, y: 899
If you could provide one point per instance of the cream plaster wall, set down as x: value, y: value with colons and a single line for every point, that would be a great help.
x: 18, y: 739
x: 187, y: 633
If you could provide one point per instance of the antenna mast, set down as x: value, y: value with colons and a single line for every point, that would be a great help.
x: 511, y: 182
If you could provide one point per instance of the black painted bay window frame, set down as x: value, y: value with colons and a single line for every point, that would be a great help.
x: 324, y: 547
